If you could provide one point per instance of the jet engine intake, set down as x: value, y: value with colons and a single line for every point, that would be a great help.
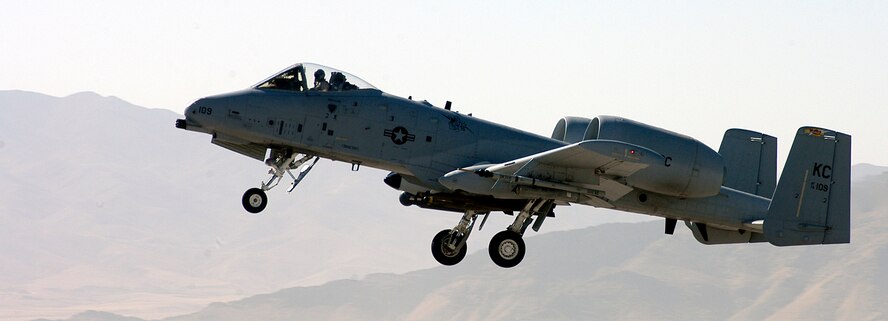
x: 571, y: 129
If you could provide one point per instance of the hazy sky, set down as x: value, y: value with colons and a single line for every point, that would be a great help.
x: 696, y: 67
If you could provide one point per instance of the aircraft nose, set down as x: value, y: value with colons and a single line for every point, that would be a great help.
x: 191, y: 110
x: 191, y: 114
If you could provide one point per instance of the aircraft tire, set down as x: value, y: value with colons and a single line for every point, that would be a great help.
x: 441, y: 254
x: 254, y: 200
x: 507, y: 249
x: 405, y: 199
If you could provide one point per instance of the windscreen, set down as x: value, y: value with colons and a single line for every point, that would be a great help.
x: 313, y: 77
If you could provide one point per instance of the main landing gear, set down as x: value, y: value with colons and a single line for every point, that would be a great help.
x: 506, y: 248
x: 449, y: 246
x: 281, y: 161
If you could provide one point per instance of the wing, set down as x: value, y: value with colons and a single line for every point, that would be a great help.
x: 595, y: 168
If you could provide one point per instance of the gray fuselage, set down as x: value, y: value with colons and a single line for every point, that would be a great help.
x: 419, y: 141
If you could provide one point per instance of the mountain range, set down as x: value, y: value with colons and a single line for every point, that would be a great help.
x: 612, y: 272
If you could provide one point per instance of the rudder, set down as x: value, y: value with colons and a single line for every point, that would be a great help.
x: 812, y: 202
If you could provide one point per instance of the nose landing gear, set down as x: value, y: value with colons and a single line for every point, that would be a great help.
x: 281, y: 161
x: 254, y: 200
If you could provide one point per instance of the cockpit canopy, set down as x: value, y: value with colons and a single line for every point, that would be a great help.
x: 312, y: 77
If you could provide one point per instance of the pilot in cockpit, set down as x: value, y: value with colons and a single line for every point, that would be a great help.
x: 320, y: 83
x: 338, y: 82
x: 285, y: 81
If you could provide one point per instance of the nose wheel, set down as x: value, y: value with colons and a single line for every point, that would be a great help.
x: 281, y: 162
x: 254, y: 200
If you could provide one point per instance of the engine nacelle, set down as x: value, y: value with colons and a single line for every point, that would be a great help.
x: 691, y: 169
x: 571, y: 129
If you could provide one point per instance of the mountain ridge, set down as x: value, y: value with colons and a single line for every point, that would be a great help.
x: 651, y: 274
x: 627, y: 287
x: 629, y: 271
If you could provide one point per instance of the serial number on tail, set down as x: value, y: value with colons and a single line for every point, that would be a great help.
x: 820, y: 187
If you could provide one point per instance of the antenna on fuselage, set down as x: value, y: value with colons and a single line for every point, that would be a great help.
x: 447, y: 105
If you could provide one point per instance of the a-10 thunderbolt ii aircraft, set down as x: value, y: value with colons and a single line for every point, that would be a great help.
x: 449, y: 161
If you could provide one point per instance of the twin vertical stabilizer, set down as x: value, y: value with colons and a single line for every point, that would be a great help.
x: 812, y: 202
x: 750, y: 160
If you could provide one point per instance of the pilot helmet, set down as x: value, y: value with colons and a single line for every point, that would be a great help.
x: 337, y: 77
x: 319, y: 73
